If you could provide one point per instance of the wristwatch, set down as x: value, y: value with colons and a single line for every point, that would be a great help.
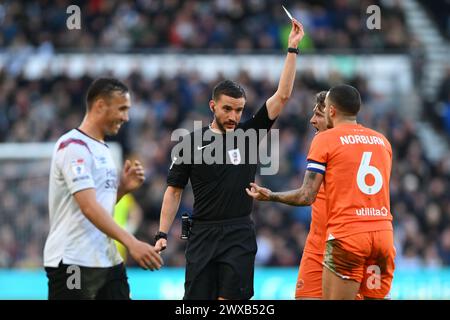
x: 160, y: 235
x: 293, y: 50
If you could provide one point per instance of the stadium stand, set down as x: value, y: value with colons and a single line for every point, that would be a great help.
x: 219, y: 25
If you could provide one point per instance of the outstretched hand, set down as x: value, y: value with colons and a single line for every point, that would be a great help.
x: 145, y: 255
x: 258, y: 193
x: 296, y: 34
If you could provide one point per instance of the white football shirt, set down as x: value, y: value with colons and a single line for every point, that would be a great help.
x: 80, y: 162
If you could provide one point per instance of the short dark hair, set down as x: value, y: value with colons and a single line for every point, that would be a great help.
x: 228, y: 88
x: 104, y: 87
x: 320, y: 100
x: 345, y: 98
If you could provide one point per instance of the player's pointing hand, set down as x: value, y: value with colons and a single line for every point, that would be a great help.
x: 258, y: 193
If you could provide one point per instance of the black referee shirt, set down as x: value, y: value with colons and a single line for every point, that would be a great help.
x: 219, y: 189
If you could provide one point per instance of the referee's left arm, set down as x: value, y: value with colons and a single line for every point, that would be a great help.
x: 276, y: 103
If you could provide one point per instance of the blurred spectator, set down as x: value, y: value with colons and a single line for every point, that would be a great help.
x: 439, y: 10
x: 444, y: 102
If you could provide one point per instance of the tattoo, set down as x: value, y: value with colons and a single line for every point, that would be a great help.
x: 310, y: 177
x: 303, y: 196
x: 287, y: 197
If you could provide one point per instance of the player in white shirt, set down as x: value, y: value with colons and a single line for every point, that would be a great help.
x: 84, y: 188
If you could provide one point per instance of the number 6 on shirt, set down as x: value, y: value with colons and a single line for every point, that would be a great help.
x: 365, y: 169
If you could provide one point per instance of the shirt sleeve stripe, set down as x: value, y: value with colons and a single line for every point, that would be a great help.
x: 65, y: 143
x: 316, y: 170
x: 321, y: 163
x: 312, y: 165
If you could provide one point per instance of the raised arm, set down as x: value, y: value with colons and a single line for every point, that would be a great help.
x: 276, y: 103
x: 304, y: 196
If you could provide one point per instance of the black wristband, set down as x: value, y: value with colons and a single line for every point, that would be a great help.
x: 293, y: 50
x: 160, y: 235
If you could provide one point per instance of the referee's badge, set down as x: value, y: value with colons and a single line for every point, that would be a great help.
x: 235, y: 156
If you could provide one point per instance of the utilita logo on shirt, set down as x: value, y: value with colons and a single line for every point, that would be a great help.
x: 372, y: 212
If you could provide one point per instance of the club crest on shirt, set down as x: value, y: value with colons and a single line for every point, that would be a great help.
x: 78, y: 167
x: 235, y: 156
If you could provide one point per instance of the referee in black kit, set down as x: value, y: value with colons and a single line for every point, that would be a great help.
x: 220, y: 252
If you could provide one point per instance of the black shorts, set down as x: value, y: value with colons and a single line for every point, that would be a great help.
x: 71, y: 282
x: 220, y: 260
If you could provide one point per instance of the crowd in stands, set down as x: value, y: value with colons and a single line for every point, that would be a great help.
x: 438, y: 12
x: 217, y: 25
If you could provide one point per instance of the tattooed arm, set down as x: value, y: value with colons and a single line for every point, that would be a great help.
x: 304, y: 196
